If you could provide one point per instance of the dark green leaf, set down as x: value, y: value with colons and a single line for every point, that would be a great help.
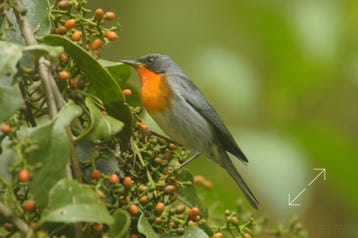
x: 118, y: 70
x: 71, y: 202
x: 145, y: 228
x: 120, y: 227
x: 188, y: 193
x: 50, y: 147
x: 101, y: 126
x: 10, y: 101
x: 102, y: 84
x: 190, y: 233
x: 7, y: 157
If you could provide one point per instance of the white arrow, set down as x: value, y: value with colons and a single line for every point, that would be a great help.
x: 291, y: 202
x: 323, y: 171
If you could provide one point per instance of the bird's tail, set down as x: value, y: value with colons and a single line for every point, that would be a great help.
x: 229, y: 166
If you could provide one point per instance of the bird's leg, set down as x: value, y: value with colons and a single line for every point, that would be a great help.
x: 196, y: 154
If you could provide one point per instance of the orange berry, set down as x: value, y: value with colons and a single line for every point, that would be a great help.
x: 99, y: 14
x: 97, y: 227
x: 96, y: 44
x: 109, y: 15
x: 159, y: 208
x: 180, y: 208
x: 134, y: 235
x: 193, y: 213
x: 127, y: 182
x: 60, y: 30
x: 101, y: 194
x: 63, y: 57
x: 173, y: 146
x: 73, y: 84
x: 70, y: 23
x: 218, y: 235
x: 144, y: 199
x: 127, y: 92
x: 199, y: 179
x: 247, y: 235
x: 29, y: 205
x: 191, y: 223
x: 113, y: 179
x: 23, y: 175
x: 76, y: 36
x: 111, y: 35
x: 133, y: 209
x: 96, y: 174
x: 64, y: 75
x: 5, y: 128
x: 234, y: 220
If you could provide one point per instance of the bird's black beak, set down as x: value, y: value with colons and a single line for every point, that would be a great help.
x: 133, y: 63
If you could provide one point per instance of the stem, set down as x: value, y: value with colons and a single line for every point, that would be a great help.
x: 16, y: 221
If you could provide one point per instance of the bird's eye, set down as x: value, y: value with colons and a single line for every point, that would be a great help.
x: 150, y: 60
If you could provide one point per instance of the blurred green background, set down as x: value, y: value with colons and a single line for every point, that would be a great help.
x: 284, y: 77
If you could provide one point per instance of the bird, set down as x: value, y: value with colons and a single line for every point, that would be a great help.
x: 181, y: 110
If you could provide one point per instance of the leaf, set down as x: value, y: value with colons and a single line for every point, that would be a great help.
x: 71, y: 202
x: 10, y: 101
x: 10, y: 54
x: 101, y: 126
x: 190, y: 233
x: 7, y: 157
x: 188, y: 193
x: 51, y: 149
x: 118, y: 70
x: 120, y: 226
x: 38, y: 13
x: 42, y: 49
x: 102, y: 84
x: 145, y: 228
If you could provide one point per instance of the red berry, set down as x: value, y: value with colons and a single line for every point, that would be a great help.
x: 73, y: 84
x: 109, y: 15
x: 63, y: 57
x: 60, y: 30
x: 159, y: 208
x: 111, y: 35
x: 76, y: 36
x: 5, y: 128
x: 99, y: 14
x: 127, y: 92
x: 113, y: 179
x: 97, y: 227
x: 64, y: 75
x: 96, y: 44
x: 24, y: 175
x: 96, y: 174
x: 133, y: 209
x: 70, y: 23
x: 127, y: 182
x: 193, y: 213
x: 29, y: 205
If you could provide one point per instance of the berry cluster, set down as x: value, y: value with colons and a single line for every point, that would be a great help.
x: 70, y: 19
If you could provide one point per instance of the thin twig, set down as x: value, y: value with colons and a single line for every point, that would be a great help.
x: 20, y: 224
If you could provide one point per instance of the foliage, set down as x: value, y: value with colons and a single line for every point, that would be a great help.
x: 76, y: 159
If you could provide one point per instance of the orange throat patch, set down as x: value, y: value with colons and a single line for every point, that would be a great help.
x: 156, y: 92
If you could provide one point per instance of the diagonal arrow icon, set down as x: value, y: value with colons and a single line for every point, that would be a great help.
x: 291, y: 201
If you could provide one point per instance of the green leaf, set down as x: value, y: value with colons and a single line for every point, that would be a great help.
x: 10, y: 101
x: 101, y: 126
x: 145, y: 228
x: 71, y: 202
x: 7, y: 157
x: 102, y: 84
x: 51, y: 149
x: 190, y: 233
x: 42, y: 49
x: 118, y: 70
x: 10, y: 54
x: 120, y: 227
x: 188, y: 193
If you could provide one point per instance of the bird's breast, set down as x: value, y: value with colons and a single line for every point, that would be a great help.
x: 156, y: 92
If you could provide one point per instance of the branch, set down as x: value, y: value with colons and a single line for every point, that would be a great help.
x: 16, y: 221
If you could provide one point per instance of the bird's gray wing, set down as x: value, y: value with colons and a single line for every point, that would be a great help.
x: 197, y: 100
